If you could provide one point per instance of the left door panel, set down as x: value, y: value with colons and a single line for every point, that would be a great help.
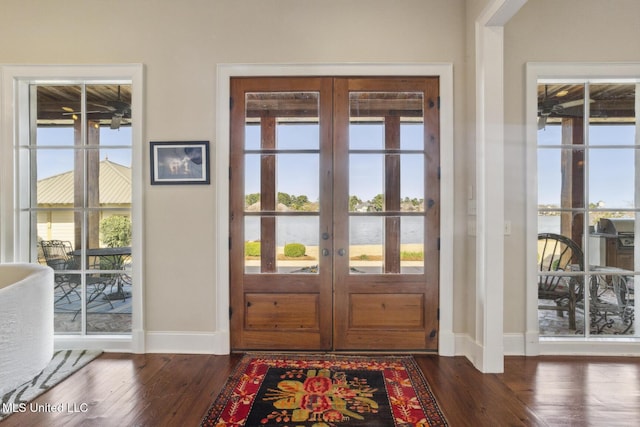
x: 281, y: 214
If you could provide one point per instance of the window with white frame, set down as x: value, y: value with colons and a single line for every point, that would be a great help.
x: 58, y: 122
x: 588, y: 180
x: 74, y: 181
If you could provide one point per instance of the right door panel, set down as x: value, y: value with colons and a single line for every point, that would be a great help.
x: 386, y: 213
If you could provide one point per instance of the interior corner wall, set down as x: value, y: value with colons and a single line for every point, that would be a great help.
x: 549, y: 31
x: 180, y: 45
x: 467, y: 200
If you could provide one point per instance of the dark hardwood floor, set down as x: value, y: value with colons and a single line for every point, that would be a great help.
x: 176, y: 390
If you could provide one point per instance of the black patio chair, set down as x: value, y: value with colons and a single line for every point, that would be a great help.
x: 557, y: 253
x: 58, y: 255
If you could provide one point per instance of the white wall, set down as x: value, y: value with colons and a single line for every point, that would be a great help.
x: 550, y: 31
x: 180, y: 44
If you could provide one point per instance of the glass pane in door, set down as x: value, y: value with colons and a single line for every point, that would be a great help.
x: 366, y: 182
x: 366, y: 135
x: 297, y: 182
x: 297, y: 244
x: 295, y: 135
x: 386, y: 182
x: 411, y: 135
x: 412, y: 182
x: 282, y: 182
x: 412, y: 245
x: 366, y: 244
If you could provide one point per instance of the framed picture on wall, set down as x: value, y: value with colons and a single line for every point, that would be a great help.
x: 176, y: 163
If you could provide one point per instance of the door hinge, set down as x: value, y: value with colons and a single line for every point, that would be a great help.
x: 437, y: 314
x: 230, y: 102
x: 438, y: 102
x: 229, y: 173
x: 438, y: 243
x: 230, y: 312
x: 439, y: 172
x: 229, y: 243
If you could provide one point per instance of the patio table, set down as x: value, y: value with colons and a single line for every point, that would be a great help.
x: 117, y: 257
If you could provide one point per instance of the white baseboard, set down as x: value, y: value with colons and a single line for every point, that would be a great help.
x: 469, y: 348
x: 531, y: 344
x: 110, y: 343
x: 466, y: 346
x: 602, y: 347
x: 447, y: 343
x: 514, y: 344
x: 187, y: 342
x: 451, y: 344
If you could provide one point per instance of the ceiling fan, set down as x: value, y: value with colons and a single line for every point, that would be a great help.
x: 549, y: 106
x: 119, y: 110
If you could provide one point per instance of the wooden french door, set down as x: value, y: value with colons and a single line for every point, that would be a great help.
x: 334, y: 221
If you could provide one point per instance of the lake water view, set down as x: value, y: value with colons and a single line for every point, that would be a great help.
x: 364, y: 230
x: 549, y: 224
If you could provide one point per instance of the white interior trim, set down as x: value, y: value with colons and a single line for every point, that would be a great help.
x: 11, y: 248
x: 499, y: 12
x: 489, y: 199
x: 446, y: 345
x: 489, y: 183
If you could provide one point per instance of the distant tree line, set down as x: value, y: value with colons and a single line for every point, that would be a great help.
x: 302, y: 202
x: 297, y: 203
x: 377, y: 203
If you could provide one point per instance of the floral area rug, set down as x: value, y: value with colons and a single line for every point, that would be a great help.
x: 325, y: 391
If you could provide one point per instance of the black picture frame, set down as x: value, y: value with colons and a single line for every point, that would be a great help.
x: 180, y: 162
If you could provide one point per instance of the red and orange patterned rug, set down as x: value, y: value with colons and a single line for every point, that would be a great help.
x: 325, y: 391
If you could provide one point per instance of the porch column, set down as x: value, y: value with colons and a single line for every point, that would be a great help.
x: 92, y: 196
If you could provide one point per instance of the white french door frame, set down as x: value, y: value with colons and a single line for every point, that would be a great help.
x: 446, y: 344
x: 566, y: 73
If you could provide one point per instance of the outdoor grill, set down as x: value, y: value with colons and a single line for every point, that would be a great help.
x: 618, y: 235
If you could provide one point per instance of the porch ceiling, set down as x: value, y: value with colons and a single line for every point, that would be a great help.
x: 61, y: 104
x: 610, y: 103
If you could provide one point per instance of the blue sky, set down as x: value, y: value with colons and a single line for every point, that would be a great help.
x: 57, y: 161
x: 611, y: 170
x: 298, y: 173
